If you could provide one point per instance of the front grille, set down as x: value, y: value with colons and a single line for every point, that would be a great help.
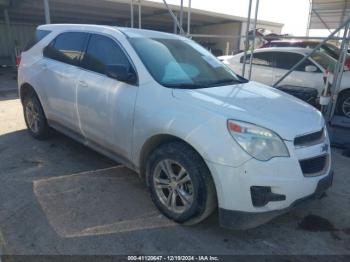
x: 314, y: 166
x: 310, y: 139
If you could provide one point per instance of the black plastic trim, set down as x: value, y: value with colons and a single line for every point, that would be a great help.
x: 261, y: 195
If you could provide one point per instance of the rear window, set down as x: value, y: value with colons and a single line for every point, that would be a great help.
x: 67, y: 47
x: 39, y: 35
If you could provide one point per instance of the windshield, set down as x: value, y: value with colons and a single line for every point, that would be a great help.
x: 182, y: 63
x: 325, y: 61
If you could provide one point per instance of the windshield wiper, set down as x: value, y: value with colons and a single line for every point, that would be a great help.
x: 185, y: 85
x: 225, y: 81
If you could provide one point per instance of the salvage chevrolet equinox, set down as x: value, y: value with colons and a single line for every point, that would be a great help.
x: 201, y: 136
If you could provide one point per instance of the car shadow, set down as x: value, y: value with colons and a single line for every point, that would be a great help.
x: 80, y: 192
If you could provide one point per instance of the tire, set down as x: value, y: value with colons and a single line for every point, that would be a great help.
x: 343, y: 106
x: 190, y: 197
x: 34, y: 117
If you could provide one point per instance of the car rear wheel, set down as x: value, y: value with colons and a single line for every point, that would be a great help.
x: 180, y: 183
x: 34, y: 117
x: 343, y: 107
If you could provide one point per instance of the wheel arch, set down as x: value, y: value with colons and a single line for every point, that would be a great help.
x: 153, y: 143
x: 346, y: 90
x: 340, y: 95
x: 26, y: 89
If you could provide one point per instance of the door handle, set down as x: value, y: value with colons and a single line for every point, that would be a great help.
x: 83, y: 83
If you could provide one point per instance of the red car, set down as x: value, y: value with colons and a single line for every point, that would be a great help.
x: 329, y: 49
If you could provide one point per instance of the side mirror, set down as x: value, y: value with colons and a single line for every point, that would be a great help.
x: 310, y: 68
x: 122, y: 73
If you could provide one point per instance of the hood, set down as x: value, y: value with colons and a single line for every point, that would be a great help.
x: 258, y: 104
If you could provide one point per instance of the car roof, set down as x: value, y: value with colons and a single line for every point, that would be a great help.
x: 128, y: 32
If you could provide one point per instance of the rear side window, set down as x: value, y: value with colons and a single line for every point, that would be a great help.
x: 262, y: 59
x: 102, y: 52
x: 39, y: 35
x: 67, y: 47
x: 284, y: 60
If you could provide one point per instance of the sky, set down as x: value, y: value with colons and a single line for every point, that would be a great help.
x: 292, y: 13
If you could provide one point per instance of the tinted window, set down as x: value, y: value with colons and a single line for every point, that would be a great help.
x: 102, y: 52
x: 39, y: 35
x: 67, y: 47
x: 288, y: 60
x: 262, y: 59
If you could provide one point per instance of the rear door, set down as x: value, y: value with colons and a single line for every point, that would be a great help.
x: 59, y: 77
x: 106, y: 105
x: 284, y: 61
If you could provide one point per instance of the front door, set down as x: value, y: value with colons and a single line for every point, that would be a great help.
x: 106, y: 105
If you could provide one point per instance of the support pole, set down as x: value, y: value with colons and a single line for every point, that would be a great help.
x: 189, y: 18
x: 246, y: 41
x: 140, y: 11
x: 174, y: 17
x: 339, y: 63
x: 132, y: 13
x: 340, y: 70
x: 174, y: 25
x: 309, y: 19
x: 47, y: 12
x: 312, y: 52
x: 254, y: 35
x: 10, y: 37
x: 181, y: 12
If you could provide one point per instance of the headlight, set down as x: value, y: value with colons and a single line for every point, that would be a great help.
x: 259, y: 142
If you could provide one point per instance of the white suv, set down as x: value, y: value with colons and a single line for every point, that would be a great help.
x: 159, y: 103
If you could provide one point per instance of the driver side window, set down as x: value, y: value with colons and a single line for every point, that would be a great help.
x: 102, y: 52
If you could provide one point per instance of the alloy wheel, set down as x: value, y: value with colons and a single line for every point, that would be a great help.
x: 173, y: 186
x: 32, y: 116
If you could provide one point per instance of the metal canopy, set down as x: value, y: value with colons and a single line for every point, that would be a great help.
x: 328, y: 14
x: 112, y: 12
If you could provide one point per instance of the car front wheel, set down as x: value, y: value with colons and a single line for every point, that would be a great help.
x: 180, y: 183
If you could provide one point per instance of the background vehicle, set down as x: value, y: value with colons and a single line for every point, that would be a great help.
x: 270, y: 64
x: 164, y: 106
x: 326, y: 48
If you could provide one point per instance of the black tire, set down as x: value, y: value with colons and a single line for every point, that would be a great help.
x: 41, y: 130
x: 343, y: 107
x: 202, y: 186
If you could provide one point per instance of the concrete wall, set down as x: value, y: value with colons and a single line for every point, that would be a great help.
x: 20, y: 33
x: 220, y: 44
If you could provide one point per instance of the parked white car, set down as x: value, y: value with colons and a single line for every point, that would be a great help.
x: 159, y: 103
x: 270, y: 64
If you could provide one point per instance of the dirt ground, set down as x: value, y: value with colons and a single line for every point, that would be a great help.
x: 59, y: 197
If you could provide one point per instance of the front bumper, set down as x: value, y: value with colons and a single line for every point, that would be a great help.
x: 245, y: 220
x: 282, y: 180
